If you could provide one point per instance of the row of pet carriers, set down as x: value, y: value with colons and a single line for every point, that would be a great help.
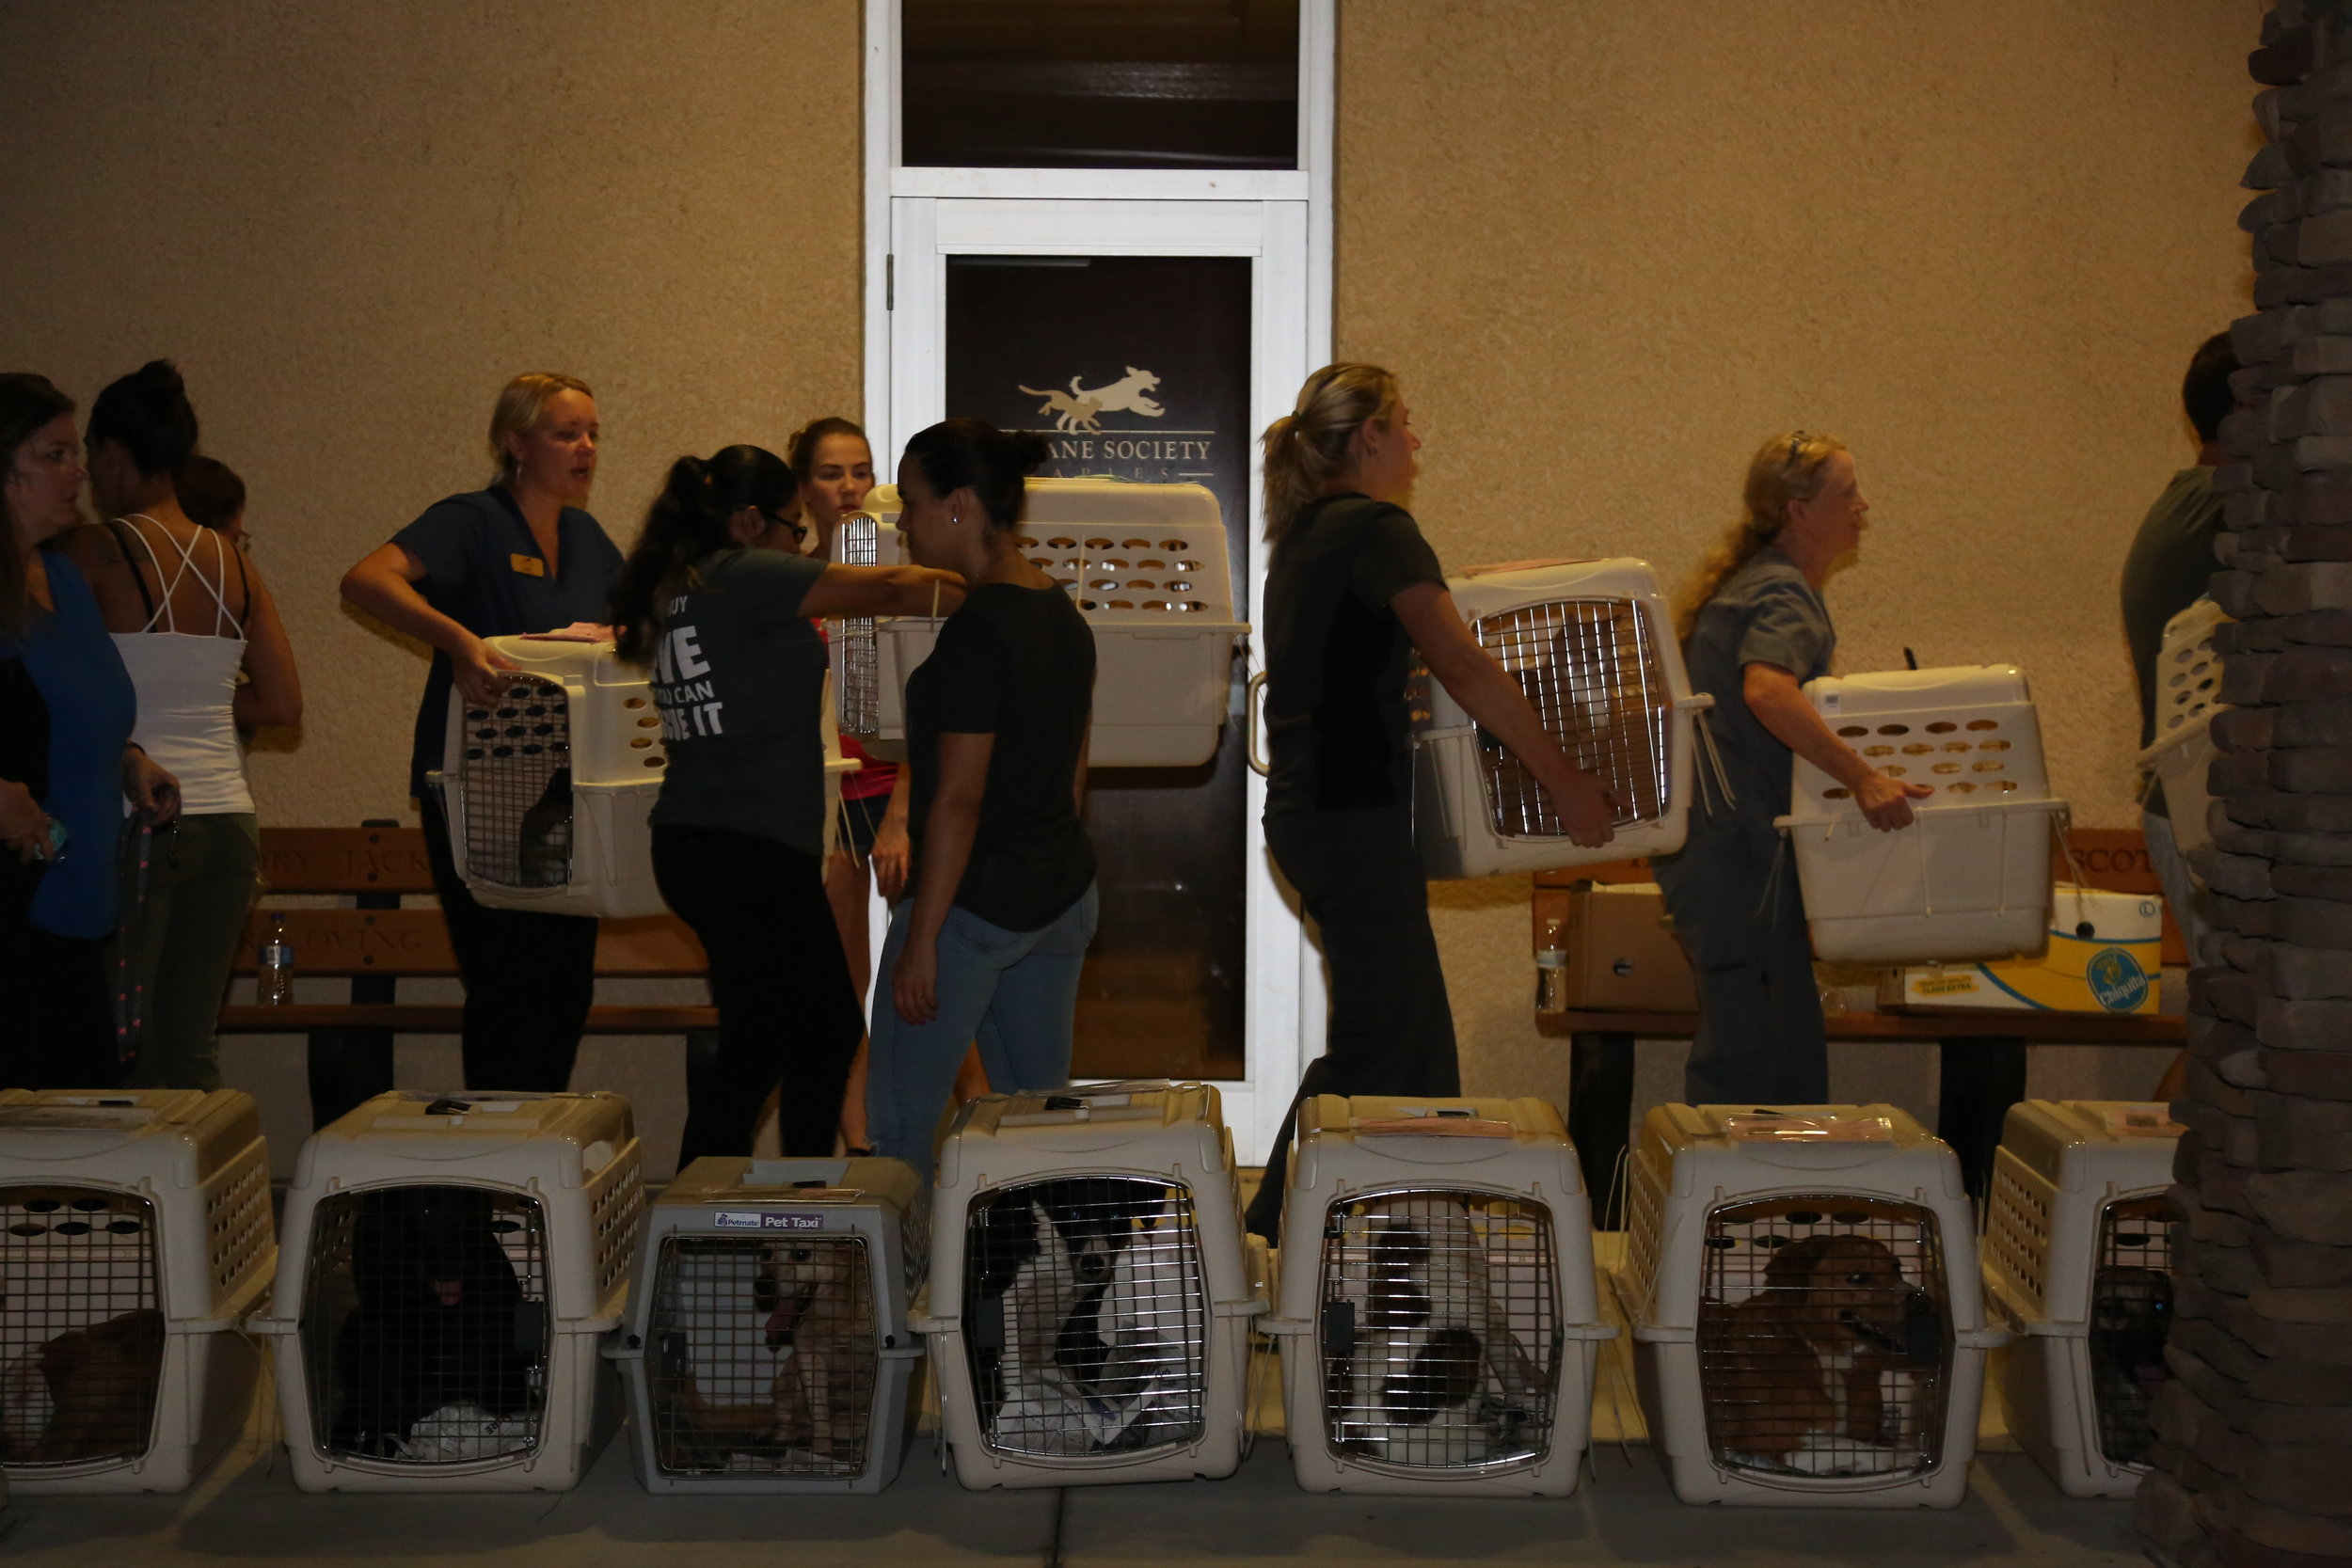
x: 1970, y: 877
x: 1148, y: 568
x: 2189, y: 699
x: 1592, y: 646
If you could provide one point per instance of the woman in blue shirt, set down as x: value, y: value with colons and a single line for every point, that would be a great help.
x: 66, y: 708
x: 521, y: 556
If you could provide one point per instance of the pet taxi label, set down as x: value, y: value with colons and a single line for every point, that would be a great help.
x: 765, y: 1219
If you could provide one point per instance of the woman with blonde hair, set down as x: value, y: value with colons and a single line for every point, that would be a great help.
x: 1353, y: 592
x: 520, y: 555
x: 1753, y: 631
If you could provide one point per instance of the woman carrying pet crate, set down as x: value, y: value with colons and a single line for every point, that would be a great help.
x: 1353, y: 593
x: 1753, y: 631
x: 717, y: 601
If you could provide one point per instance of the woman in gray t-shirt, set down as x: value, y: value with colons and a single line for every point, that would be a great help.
x: 1755, y: 631
x: 716, y: 603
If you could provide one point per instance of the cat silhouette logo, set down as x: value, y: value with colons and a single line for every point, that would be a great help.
x: 1076, y: 412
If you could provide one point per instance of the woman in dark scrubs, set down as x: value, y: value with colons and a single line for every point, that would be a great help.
x: 521, y: 556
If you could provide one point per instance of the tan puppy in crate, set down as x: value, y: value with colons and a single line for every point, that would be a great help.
x: 818, y: 1305
x: 1801, y: 1366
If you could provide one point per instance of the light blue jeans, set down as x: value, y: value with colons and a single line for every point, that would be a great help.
x: 1016, y: 992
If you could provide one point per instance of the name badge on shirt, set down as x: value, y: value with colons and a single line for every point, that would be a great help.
x: 529, y: 565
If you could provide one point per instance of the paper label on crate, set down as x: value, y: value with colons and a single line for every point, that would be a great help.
x: 2142, y: 1122
x: 1841, y: 1130
x: 765, y: 1219
x: 1410, y: 1126
x: 85, y: 1117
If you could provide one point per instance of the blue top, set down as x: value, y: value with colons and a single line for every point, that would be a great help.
x: 91, y: 708
x: 483, y: 570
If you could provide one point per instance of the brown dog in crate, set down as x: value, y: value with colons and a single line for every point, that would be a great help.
x: 817, y: 1308
x: 1799, y: 1373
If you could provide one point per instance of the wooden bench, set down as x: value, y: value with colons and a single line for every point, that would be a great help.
x: 378, y: 944
x: 1981, y: 1071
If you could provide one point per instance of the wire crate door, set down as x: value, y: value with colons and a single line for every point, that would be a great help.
x: 515, y: 773
x: 82, y: 1329
x: 1826, y: 1338
x: 1590, y: 668
x: 2131, y: 1312
x: 857, y: 661
x: 1440, y: 1329
x: 764, y: 1356
x: 1086, y: 1317
x: 425, y: 1330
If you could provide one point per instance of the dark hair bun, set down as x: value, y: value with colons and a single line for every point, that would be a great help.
x: 1026, y: 450
x: 146, y: 413
x: 974, y: 455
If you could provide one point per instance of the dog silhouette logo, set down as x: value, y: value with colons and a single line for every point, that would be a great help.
x: 1077, y: 411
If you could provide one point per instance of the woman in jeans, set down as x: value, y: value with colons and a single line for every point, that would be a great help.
x: 1003, y: 905
x: 716, y: 601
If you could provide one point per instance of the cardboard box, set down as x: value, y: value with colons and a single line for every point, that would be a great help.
x: 2106, y: 956
x: 1621, y: 955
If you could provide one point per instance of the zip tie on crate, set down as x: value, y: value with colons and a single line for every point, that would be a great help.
x: 1711, y: 760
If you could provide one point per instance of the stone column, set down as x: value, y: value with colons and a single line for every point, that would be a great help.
x: 2254, y: 1462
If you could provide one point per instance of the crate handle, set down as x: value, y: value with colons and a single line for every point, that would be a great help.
x: 1258, y: 764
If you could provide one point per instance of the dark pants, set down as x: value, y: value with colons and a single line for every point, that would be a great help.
x: 1760, y: 1037
x: 1391, y: 1029
x: 788, y: 1011
x: 56, y: 1011
x: 530, y: 979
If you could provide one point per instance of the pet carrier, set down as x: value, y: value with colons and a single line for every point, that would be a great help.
x: 134, y: 1239
x: 1091, y: 1299
x: 1146, y: 567
x: 548, y: 793
x: 1970, y: 878
x: 2189, y: 696
x: 2077, y: 1259
x: 452, y: 1263
x: 1440, y: 1336
x: 1807, y: 1327
x: 767, y: 1347
x: 1592, y: 646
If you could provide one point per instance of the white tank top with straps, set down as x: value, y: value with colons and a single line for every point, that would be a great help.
x: 188, y: 680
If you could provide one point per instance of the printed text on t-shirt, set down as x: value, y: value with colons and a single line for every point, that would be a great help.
x: 688, y: 698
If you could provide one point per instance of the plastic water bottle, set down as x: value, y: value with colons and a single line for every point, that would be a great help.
x: 1551, y: 980
x: 272, y: 978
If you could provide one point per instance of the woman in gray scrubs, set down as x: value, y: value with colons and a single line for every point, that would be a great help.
x: 1755, y: 631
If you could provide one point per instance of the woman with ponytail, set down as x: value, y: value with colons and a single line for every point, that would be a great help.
x: 1753, y: 631
x: 716, y: 602
x: 989, y: 944
x: 1353, y: 592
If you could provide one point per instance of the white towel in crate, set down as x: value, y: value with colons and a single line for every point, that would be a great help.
x: 1970, y: 877
x: 1091, y: 1294
x: 1803, y: 1294
x: 2078, y: 1261
x: 135, y: 1240
x: 2189, y: 699
x: 767, y: 1347
x: 1439, y: 1322
x: 1592, y: 646
x: 452, y: 1264
x: 1146, y: 567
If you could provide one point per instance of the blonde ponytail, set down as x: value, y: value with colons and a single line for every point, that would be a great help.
x: 1308, y: 448
x: 1792, y: 467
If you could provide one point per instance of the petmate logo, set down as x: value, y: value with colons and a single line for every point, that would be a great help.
x: 762, y: 1219
x: 2116, y: 979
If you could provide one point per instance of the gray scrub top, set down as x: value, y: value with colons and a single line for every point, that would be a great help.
x: 1763, y: 613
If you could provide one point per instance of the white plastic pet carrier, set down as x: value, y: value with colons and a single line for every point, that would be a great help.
x: 547, y: 792
x: 1803, y: 1288
x: 2078, y: 1261
x: 1592, y: 647
x: 767, y: 1347
x: 1439, y: 1322
x: 134, y: 1239
x: 1970, y: 877
x: 1148, y: 568
x: 1091, y: 1300
x: 2189, y: 698
x: 452, y: 1264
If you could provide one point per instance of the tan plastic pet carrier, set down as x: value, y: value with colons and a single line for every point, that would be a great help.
x: 1439, y: 1321
x: 2078, y: 1262
x: 767, y: 1347
x: 1091, y: 1299
x: 1146, y: 567
x: 2189, y: 699
x: 134, y: 1239
x: 1808, y: 1330
x: 1592, y: 646
x: 452, y: 1264
x: 1970, y: 878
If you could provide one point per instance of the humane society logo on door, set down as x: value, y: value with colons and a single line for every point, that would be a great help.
x: 689, y: 702
x: 1077, y: 435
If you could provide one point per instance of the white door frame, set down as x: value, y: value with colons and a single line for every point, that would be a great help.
x: 1281, y: 219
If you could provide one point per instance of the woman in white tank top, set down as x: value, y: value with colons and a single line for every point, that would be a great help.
x: 208, y: 657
